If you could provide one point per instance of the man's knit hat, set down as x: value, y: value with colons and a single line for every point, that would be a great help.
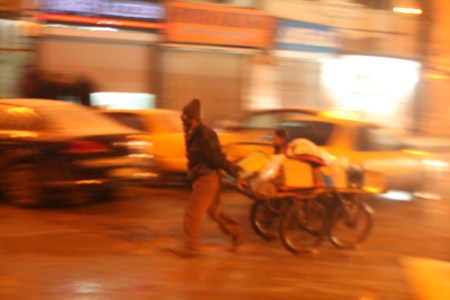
x: 192, y: 109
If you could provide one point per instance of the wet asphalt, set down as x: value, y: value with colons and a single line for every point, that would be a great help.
x: 118, y: 249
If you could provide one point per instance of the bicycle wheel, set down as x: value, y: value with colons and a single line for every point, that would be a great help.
x: 265, y: 218
x: 348, y: 230
x: 303, y: 226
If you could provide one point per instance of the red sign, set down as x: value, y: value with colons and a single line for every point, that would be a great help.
x: 218, y: 25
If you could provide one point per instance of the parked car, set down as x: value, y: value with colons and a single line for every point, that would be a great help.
x: 59, y: 152
x: 377, y: 148
x: 164, y: 134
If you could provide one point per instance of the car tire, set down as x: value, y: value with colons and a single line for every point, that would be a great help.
x: 22, y: 185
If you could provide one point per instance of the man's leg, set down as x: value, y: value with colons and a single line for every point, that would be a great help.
x: 203, y: 192
x: 226, y: 224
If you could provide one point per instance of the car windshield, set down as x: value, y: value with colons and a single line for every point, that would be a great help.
x: 269, y: 120
x: 158, y: 122
x: 128, y: 119
x: 378, y: 139
x: 78, y: 118
x: 167, y: 122
x: 316, y: 131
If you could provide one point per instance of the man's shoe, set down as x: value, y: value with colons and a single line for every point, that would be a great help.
x: 237, y: 239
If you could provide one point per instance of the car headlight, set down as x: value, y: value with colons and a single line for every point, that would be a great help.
x: 436, y: 164
x: 140, y: 145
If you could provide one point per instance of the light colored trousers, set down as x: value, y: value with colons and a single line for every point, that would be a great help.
x: 205, y: 197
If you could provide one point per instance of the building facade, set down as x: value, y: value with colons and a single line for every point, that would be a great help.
x: 350, y: 55
x: 237, y: 55
x: 18, y: 37
x: 206, y: 53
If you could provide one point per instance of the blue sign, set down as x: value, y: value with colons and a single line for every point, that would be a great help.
x: 299, y: 36
x: 120, y: 8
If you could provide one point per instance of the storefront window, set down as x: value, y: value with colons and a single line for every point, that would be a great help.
x: 380, y: 89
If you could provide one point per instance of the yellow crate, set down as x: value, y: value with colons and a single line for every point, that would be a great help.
x: 254, y: 162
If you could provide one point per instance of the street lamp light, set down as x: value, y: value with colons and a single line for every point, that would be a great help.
x: 407, y: 10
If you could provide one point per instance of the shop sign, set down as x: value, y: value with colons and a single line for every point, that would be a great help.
x: 117, y: 8
x: 299, y: 36
x: 216, y: 24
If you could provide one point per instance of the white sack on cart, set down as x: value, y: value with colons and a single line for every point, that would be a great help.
x: 297, y: 147
x: 334, y: 173
x: 273, y: 168
x: 301, y: 147
x: 271, y: 175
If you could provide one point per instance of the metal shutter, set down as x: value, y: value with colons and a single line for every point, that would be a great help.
x: 212, y: 77
x: 113, y: 66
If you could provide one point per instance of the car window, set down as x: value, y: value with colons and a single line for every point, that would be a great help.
x: 78, y: 118
x: 270, y: 119
x: 130, y: 120
x: 293, y: 114
x: 378, y: 139
x: 316, y: 131
x: 260, y: 121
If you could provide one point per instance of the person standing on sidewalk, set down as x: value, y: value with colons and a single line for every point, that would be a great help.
x: 205, y: 160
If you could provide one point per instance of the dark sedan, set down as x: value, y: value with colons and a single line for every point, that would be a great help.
x: 59, y: 152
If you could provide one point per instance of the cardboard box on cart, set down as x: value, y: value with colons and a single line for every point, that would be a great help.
x: 266, y: 175
x: 301, y: 174
x: 298, y: 174
x: 293, y: 173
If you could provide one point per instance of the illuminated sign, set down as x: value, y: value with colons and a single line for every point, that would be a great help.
x: 100, y: 21
x: 292, y: 35
x: 218, y: 25
x: 218, y: 18
x: 116, y: 8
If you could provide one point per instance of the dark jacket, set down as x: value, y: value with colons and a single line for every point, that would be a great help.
x: 204, y: 153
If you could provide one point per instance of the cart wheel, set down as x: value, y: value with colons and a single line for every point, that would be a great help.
x: 348, y: 230
x: 303, y: 226
x: 265, y: 218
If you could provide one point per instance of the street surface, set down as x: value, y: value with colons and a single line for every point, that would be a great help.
x: 118, y: 250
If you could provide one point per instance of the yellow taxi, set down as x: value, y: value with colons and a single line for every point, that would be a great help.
x: 166, y: 146
x: 362, y: 143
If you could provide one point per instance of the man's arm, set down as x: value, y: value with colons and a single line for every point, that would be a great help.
x: 214, y: 155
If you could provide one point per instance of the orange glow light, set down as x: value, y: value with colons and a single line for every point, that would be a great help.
x: 348, y: 115
x: 436, y: 76
x: 404, y: 10
x: 100, y: 21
